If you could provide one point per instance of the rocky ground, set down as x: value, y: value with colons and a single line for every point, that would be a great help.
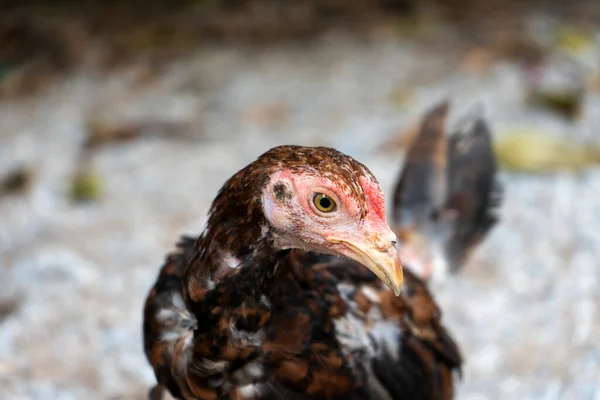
x: 73, y: 276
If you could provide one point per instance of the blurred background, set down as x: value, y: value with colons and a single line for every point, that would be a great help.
x: 119, y: 121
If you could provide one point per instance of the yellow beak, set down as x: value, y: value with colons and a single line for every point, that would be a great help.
x: 380, y: 256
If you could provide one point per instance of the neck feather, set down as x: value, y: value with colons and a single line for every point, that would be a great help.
x: 215, y: 283
x: 235, y: 256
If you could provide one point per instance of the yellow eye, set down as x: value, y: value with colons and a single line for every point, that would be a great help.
x: 323, y: 203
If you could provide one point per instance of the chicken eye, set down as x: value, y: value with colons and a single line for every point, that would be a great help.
x: 323, y: 203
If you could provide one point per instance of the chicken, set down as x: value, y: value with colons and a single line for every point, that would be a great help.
x: 447, y: 196
x: 295, y: 291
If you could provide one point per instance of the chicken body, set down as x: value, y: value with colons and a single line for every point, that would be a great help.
x: 328, y: 329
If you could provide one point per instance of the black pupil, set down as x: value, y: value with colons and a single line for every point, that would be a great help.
x: 325, y: 202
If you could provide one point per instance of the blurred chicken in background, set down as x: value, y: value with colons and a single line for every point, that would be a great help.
x: 447, y: 195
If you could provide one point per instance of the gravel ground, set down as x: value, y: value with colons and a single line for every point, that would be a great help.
x: 525, y: 309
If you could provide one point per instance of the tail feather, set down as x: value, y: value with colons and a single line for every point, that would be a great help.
x: 447, y: 195
x: 474, y: 193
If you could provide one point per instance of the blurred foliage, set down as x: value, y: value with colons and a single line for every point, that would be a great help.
x: 56, y: 35
x: 86, y: 186
x: 536, y: 152
x: 565, y: 102
x: 104, y: 131
x: 100, y: 133
x: 574, y: 39
x: 17, y: 180
x: 39, y: 39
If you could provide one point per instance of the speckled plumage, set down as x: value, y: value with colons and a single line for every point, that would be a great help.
x: 232, y: 317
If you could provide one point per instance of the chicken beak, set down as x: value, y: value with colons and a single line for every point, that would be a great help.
x: 380, y: 256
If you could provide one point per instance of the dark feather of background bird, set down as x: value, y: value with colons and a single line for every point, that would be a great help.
x: 447, y: 196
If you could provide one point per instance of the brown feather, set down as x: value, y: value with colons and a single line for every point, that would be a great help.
x: 289, y: 324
